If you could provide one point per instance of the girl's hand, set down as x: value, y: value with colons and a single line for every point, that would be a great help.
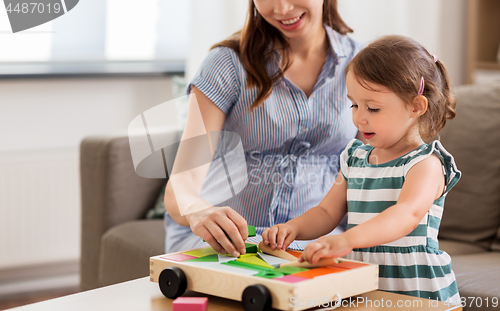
x: 212, y: 224
x: 279, y: 236
x: 330, y: 246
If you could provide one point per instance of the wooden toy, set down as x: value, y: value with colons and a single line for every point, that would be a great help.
x: 258, y: 281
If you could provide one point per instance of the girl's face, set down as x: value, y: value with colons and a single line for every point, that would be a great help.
x: 380, y: 115
x: 294, y: 18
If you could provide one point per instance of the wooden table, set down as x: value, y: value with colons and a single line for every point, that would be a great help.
x: 143, y: 295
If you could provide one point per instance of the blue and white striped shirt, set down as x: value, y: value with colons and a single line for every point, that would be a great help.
x: 292, y: 143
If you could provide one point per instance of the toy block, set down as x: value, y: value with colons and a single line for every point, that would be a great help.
x: 254, y: 260
x: 291, y: 279
x: 190, y: 304
x: 209, y: 258
x: 251, y: 248
x: 304, y: 264
x: 276, y: 252
x: 245, y: 265
x: 349, y: 265
x: 296, y: 254
x: 201, y: 252
x: 270, y: 274
x: 289, y: 270
x: 251, y: 231
x: 225, y: 258
x: 178, y: 257
x: 312, y: 273
x: 272, y: 260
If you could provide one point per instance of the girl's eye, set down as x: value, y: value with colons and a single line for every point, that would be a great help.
x: 373, y: 110
x: 354, y: 106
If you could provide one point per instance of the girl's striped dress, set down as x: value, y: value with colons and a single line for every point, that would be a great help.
x: 412, y: 265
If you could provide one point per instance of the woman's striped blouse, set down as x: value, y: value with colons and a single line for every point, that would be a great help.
x: 292, y: 143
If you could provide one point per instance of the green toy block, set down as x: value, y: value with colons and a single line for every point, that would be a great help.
x: 251, y: 248
x: 254, y: 260
x: 270, y: 274
x: 290, y: 270
x: 245, y: 265
x: 251, y: 231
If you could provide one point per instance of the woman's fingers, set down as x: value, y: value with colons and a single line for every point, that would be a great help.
x: 231, y: 239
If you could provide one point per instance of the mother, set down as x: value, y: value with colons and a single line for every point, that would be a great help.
x: 278, y: 84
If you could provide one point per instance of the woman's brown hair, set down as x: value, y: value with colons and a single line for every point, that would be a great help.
x: 399, y: 63
x: 253, y: 43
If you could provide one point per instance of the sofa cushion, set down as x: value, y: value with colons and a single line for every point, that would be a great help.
x: 496, y: 244
x: 472, y: 209
x: 455, y: 248
x: 126, y: 248
x: 477, y: 276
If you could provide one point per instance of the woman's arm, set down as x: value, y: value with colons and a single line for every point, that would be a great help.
x: 210, y: 223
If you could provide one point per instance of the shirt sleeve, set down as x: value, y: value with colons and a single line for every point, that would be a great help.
x: 217, y: 78
x: 346, y: 155
x: 451, y: 173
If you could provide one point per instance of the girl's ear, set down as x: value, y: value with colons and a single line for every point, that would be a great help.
x: 419, y: 104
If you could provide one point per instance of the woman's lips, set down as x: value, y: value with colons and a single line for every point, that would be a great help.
x: 368, y: 135
x: 291, y: 23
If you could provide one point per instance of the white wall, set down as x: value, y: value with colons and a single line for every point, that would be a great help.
x: 57, y: 113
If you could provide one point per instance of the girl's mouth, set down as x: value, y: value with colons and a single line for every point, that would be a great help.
x: 368, y: 135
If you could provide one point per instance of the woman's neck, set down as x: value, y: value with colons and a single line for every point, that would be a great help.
x: 308, y: 46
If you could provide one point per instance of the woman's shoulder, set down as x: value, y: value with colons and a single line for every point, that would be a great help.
x: 343, y: 43
x: 222, y: 57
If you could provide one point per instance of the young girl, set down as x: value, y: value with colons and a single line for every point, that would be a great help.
x: 392, y: 188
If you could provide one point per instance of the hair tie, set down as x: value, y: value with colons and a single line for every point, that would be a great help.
x: 422, y: 85
x: 435, y: 57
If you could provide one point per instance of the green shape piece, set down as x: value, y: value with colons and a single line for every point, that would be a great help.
x: 209, y: 258
x: 270, y: 274
x: 286, y: 270
x: 255, y: 260
x: 251, y: 231
x: 245, y: 265
x: 251, y: 248
x: 201, y: 252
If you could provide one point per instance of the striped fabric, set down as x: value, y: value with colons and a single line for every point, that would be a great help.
x: 292, y: 143
x: 413, y: 264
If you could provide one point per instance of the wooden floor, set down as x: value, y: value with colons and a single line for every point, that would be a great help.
x: 24, y: 299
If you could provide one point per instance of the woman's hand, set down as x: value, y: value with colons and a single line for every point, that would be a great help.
x: 330, y: 246
x: 279, y: 236
x: 212, y: 224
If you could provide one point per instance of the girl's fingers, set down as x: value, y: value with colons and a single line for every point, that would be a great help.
x: 320, y: 253
x: 273, y: 232
x: 280, y: 239
x: 289, y: 239
x: 265, y: 237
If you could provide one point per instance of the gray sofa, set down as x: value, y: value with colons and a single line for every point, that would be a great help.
x: 117, y: 241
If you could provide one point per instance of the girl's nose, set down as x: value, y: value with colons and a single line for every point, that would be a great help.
x: 282, y: 7
x: 358, y: 118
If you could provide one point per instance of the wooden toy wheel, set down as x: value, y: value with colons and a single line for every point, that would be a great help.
x: 172, y: 282
x: 256, y: 298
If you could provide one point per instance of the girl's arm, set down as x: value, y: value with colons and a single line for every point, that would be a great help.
x: 423, y: 184
x: 317, y: 221
x: 210, y: 223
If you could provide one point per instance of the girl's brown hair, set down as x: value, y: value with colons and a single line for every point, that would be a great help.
x: 399, y: 63
x: 253, y: 43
